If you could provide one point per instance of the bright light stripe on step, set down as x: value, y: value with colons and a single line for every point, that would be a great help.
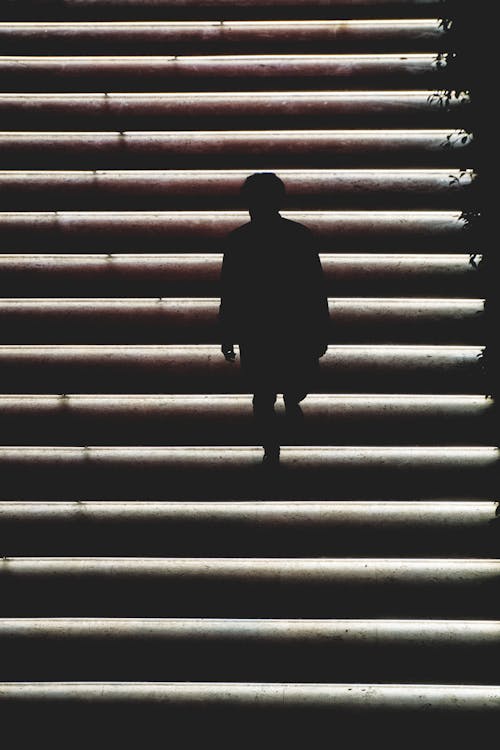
x: 143, y: 258
x: 376, y: 398
x: 397, y: 697
x: 214, y: 349
x: 306, y: 215
x: 376, y: 134
x: 431, y: 570
x: 157, y: 454
x: 95, y: 59
x: 380, y: 631
x: 457, y: 698
x: 427, y: 301
x: 354, y: 257
x: 431, y: 22
x: 37, y: 25
x: 214, y: 174
x: 422, y: 94
x: 447, y: 512
x: 382, y: 258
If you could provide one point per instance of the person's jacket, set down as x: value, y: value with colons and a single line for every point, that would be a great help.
x: 272, y: 287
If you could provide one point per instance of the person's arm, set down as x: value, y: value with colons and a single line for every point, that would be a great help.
x: 227, y: 306
x: 313, y: 286
x: 319, y: 300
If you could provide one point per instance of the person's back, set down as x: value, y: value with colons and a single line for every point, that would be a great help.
x: 272, y: 286
x: 273, y: 304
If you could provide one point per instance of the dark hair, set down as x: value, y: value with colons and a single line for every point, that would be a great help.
x: 264, y: 184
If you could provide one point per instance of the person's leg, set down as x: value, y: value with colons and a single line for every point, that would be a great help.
x: 293, y: 397
x: 294, y: 414
x: 298, y: 381
x: 266, y: 422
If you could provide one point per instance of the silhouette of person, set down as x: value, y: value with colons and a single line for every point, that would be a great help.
x: 274, y: 306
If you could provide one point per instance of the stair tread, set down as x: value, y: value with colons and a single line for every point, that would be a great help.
x: 428, y: 630
x: 281, y: 148
x: 245, y: 36
x: 454, y: 570
x: 197, y: 275
x: 195, y: 111
x: 446, y: 512
x: 362, y: 230
x: 195, y: 419
x: 456, y: 696
x: 201, y: 368
x: 206, y: 9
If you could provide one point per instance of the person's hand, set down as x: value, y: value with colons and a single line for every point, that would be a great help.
x: 228, y: 352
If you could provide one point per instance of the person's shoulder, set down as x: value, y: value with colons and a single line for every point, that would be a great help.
x: 240, y: 231
x: 297, y: 228
x: 237, y: 236
x: 236, y: 239
x: 300, y: 237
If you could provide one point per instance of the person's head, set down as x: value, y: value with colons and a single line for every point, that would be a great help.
x: 263, y: 194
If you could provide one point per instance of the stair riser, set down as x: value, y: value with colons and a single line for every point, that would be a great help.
x: 229, y: 150
x: 195, y: 322
x: 217, y: 38
x: 212, y: 421
x: 208, y: 539
x: 203, y: 231
x: 191, y: 658
x: 222, y: 473
x: 358, y: 189
x: 218, y: 74
x: 198, y: 276
x: 173, y: 591
x: 238, y: 111
x: 114, y: 10
x: 124, y: 719
x: 272, y: 529
x: 204, y: 370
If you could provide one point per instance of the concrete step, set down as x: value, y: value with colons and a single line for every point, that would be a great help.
x: 76, y: 10
x: 238, y: 111
x: 171, y: 275
x: 221, y: 72
x: 449, y: 528
x: 187, y: 320
x: 247, y: 37
x: 202, y: 369
x: 202, y: 231
x: 227, y: 420
x: 236, y: 650
x: 236, y: 473
x: 194, y: 189
x: 230, y: 149
x: 250, y: 587
x: 123, y: 709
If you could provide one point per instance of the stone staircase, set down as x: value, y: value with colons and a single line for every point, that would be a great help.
x: 153, y: 578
